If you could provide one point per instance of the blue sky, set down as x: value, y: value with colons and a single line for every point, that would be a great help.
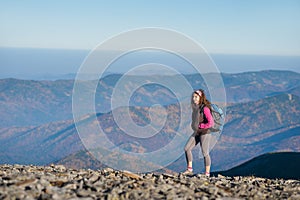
x: 268, y: 27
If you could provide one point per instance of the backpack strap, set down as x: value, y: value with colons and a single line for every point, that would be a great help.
x: 201, y: 111
x: 201, y: 108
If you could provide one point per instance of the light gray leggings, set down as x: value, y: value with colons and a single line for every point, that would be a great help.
x: 204, y: 144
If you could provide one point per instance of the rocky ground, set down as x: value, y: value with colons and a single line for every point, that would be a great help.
x: 58, y: 182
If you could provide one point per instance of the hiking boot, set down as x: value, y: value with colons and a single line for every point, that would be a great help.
x: 207, y: 174
x: 188, y: 172
x: 204, y: 175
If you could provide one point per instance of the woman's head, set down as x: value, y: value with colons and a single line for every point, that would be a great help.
x: 199, y: 98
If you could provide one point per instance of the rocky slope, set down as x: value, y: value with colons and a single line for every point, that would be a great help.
x: 58, y: 182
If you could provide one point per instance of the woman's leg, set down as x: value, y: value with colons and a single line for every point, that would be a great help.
x: 191, y: 143
x: 204, y: 142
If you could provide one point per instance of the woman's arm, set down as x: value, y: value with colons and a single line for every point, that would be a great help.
x: 210, y: 120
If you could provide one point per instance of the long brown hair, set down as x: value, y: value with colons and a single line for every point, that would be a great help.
x: 203, y: 100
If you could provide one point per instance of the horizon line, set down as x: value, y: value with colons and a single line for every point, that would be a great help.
x: 90, y: 50
x: 56, y: 77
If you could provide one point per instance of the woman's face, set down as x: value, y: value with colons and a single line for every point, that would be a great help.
x: 196, y: 98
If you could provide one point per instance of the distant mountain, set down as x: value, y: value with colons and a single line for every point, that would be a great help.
x: 252, y: 129
x: 27, y: 103
x: 32, y: 103
x: 35, y: 126
x: 251, y: 119
x: 249, y: 86
x: 39, y: 144
x: 284, y: 165
x: 81, y: 160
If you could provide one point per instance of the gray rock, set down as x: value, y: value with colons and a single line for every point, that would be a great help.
x: 58, y: 182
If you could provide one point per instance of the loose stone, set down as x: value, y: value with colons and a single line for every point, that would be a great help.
x: 58, y: 182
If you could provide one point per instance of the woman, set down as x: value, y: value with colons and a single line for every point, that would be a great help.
x: 202, y: 120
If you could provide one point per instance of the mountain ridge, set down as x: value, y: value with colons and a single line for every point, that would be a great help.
x: 26, y: 103
x: 273, y: 165
x: 55, y: 141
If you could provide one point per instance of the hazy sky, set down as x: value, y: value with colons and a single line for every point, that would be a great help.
x: 269, y: 27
